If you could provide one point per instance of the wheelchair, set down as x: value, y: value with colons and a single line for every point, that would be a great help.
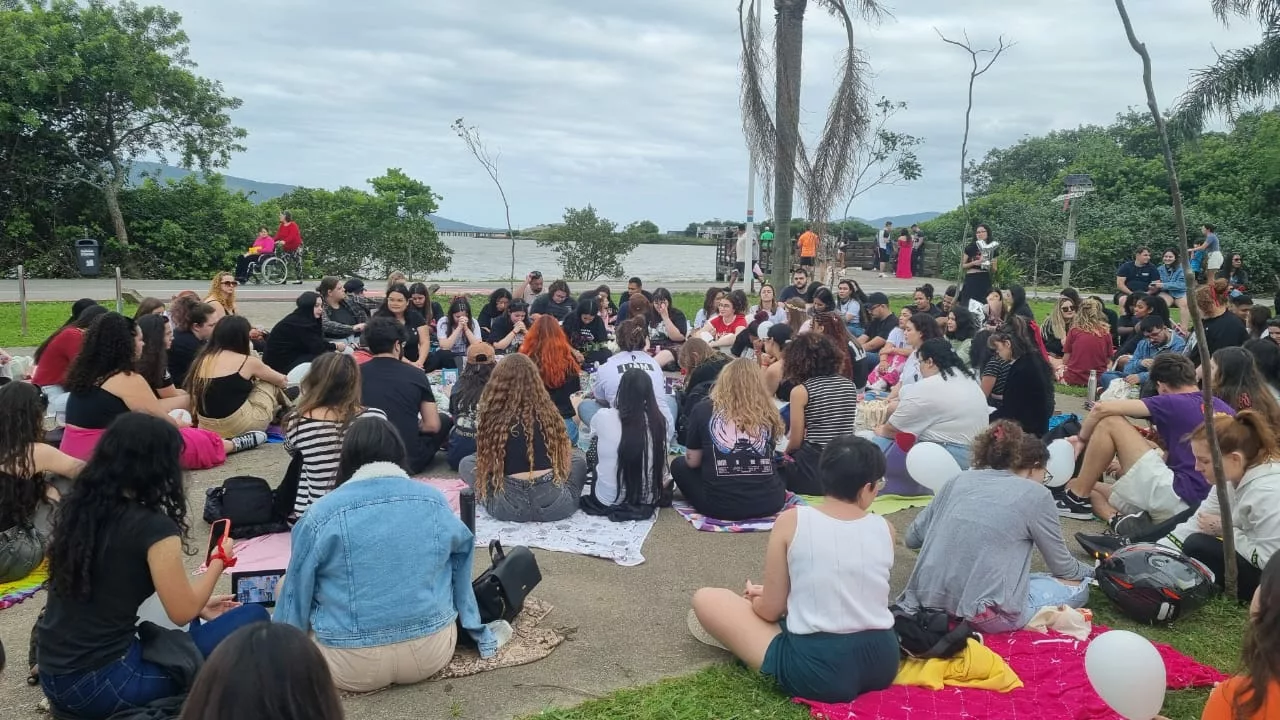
x: 268, y: 269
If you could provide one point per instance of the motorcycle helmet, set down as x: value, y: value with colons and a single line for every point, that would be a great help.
x: 1154, y: 584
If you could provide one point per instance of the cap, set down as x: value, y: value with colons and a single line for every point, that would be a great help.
x: 762, y: 330
x: 480, y: 353
x: 354, y: 285
x: 877, y: 298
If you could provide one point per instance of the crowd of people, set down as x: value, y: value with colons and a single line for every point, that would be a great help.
x: 567, y: 402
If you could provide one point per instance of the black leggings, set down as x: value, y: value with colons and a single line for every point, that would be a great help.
x: 1208, y: 550
x: 430, y: 443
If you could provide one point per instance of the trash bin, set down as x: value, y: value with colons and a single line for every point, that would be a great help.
x: 88, y: 257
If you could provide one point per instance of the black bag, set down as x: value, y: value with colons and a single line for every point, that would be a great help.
x: 248, y: 502
x: 688, y: 400
x: 501, y: 590
x: 928, y: 634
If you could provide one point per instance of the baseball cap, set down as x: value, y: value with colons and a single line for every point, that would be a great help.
x: 877, y: 298
x: 480, y: 353
x: 354, y: 285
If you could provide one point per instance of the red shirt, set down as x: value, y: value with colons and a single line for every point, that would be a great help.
x: 722, y: 328
x: 289, y: 235
x: 57, y: 357
x: 1087, y: 351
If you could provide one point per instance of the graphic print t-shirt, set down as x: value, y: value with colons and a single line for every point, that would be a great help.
x: 737, y: 466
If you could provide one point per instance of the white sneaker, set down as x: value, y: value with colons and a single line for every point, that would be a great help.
x: 248, y: 441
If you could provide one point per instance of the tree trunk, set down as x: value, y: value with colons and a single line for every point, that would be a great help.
x: 111, y: 194
x: 789, y: 37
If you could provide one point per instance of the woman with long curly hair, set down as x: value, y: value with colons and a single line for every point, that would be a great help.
x: 1237, y: 382
x: 234, y: 392
x: 558, y: 366
x: 821, y: 409
x: 104, y: 383
x: 153, y: 364
x: 628, y: 453
x: 27, y: 496
x: 129, y: 498
x: 329, y: 402
x: 525, y: 468
x: 222, y: 296
x: 727, y: 471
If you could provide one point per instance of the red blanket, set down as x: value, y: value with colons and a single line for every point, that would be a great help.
x: 1052, y: 671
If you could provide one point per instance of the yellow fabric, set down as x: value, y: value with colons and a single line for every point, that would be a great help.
x: 976, y: 667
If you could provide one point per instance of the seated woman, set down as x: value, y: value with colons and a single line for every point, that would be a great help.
x: 525, y: 468
x: 380, y: 572
x: 233, y: 392
x: 946, y: 407
x: 149, y: 306
x: 54, y: 356
x: 586, y: 331
x: 153, y: 364
x: 773, y: 360
x: 821, y: 409
x: 417, y: 339
x: 770, y: 305
x: 420, y: 300
x: 222, y: 297
x: 498, y: 302
x: 628, y: 453
x: 464, y: 401
x: 328, y: 404
x: 28, y: 495
x: 851, y: 365
x: 727, y: 471
x: 893, y: 355
x: 561, y: 374
x: 960, y: 331
x: 700, y: 364
x: 668, y: 327
x: 708, y: 309
x: 343, y: 318
x: 852, y: 306
x: 633, y: 342
x: 975, y: 540
x: 1236, y: 381
x: 919, y: 328
x: 510, y: 328
x: 299, y: 337
x: 749, y: 343
x: 263, y: 246
x: 193, y: 323
x: 129, y: 498
x: 456, y: 331
x: 834, y: 650
x: 1028, y: 384
x: 1087, y: 347
x: 1057, y: 325
x: 723, y: 327
x: 104, y: 384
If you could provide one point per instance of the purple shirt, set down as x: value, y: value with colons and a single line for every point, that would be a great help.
x: 1176, y: 417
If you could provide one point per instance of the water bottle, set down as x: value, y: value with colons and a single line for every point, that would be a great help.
x: 467, y: 508
x: 1092, y: 389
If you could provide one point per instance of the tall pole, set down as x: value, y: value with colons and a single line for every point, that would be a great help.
x: 748, y: 262
x: 1071, y: 241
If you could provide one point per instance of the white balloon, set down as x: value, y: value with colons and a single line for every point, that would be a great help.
x: 931, y: 465
x: 1062, y: 462
x: 1128, y: 673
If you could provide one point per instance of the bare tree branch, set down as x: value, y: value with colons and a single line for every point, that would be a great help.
x: 470, y: 136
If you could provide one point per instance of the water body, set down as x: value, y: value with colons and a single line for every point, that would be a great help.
x: 477, y: 258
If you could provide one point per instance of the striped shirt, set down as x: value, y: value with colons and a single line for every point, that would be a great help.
x: 320, y: 443
x: 829, y: 412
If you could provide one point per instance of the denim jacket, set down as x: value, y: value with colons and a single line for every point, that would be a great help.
x: 381, y: 560
x: 1147, y: 350
x: 1172, y: 280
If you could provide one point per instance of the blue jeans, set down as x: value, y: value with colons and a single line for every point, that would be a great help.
x: 132, y: 682
x: 959, y: 452
x: 571, y: 424
x: 1104, y: 381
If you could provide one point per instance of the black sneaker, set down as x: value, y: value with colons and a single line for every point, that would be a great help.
x: 248, y: 441
x: 1076, y: 508
x: 1131, y: 525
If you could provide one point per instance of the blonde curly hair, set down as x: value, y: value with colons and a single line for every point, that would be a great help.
x: 226, y: 299
x: 514, y: 400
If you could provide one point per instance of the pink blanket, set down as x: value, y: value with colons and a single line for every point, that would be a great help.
x: 1055, y: 686
x: 201, y: 449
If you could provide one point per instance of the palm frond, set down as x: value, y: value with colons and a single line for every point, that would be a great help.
x: 1243, y: 76
x: 757, y: 119
x: 869, y: 10
x: 1266, y: 12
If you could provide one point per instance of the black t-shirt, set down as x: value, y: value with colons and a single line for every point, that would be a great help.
x: 81, y: 636
x: 1136, y: 278
x: 502, y: 327
x: 560, y: 396
x: 181, y: 354
x: 517, y: 459
x: 737, y: 468
x: 707, y: 370
x: 790, y: 291
x: 1226, y: 330
x: 880, y: 328
x: 580, y: 336
x: 659, y: 339
x: 412, y: 321
x: 398, y: 390
x: 486, y: 318
x: 542, y: 305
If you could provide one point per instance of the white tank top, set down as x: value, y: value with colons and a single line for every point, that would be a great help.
x: 839, y: 574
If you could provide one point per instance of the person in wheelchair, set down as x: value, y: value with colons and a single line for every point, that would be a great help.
x: 263, y: 246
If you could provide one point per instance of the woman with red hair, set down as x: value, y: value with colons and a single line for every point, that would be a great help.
x: 549, y: 349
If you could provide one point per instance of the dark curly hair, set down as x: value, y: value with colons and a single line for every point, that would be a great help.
x: 155, y: 356
x: 110, y: 348
x: 21, y: 427
x: 944, y: 358
x: 1004, y: 446
x: 135, y: 464
x: 811, y: 355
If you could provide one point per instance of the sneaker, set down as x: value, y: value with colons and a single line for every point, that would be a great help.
x: 1132, y: 525
x: 700, y: 633
x: 248, y: 441
x: 1076, y: 508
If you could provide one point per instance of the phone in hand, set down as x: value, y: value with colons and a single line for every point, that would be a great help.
x: 220, y: 531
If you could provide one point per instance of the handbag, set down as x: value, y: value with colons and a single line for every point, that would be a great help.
x: 21, y: 551
x: 248, y: 502
x: 928, y: 633
x: 501, y: 590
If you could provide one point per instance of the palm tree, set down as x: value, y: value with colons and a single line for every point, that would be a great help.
x: 1245, y: 75
x: 773, y: 134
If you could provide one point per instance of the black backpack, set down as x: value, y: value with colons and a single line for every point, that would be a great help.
x: 688, y: 401
x: 249, y: 503
x: 928, y: 634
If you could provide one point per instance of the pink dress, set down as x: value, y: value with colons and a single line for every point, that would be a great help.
x: 904, y: 258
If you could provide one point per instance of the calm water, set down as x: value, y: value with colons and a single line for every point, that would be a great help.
x: 489, y: 259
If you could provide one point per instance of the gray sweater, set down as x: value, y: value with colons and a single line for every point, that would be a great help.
x: 977, y: 537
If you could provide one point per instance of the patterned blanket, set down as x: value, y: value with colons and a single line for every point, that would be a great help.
x: 12, y: 593
x: 710, y: 524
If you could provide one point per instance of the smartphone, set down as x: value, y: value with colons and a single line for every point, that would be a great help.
x: 220, y: 531
x: 257, y: 587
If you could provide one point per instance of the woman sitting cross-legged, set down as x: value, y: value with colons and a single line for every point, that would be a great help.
x: 464, y: 401
x: 728, y: 470
x: 329, y: 403
x: 380, y: 571
x: 586, y: 331
x: 299, y: 337
x: 820, y: 624
x: 629, y: 453
x: 104, y: 383
x: 976, y: 537
x: 234, y: 392
x: 822, y: 407
x: 122, y: 536
x: 1028, y: 385
x: 525, y: 468
x: 153, y: 364
x: 550, y: 350
x: 633, y: 342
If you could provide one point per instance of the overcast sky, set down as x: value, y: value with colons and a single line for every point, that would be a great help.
x: 633, y: 106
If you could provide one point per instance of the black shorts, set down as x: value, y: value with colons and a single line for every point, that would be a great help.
x: 740, y: 267
x: 806, y: 262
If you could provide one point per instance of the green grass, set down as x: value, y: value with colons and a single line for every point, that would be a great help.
x: 42, y: 319
x: 1211, y: 635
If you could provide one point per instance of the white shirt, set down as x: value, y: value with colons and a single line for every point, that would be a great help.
x: 610, y: 375
x: 839, y: 571
x: 883, y: 238
x: 460, y: 346
x: 607, y: 426
x: 850, y: 311
x: 779, y: 314
x: 942, y: 411
x: 1255, y: 514
x: 910, y: 370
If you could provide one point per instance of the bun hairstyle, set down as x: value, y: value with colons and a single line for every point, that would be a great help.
x: 632, y: 334
x: 1248, y: 433
x: 1004, y: 446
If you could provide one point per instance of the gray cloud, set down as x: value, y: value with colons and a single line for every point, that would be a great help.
x: 633, y: 107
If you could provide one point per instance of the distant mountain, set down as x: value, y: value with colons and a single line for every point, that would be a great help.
x: 900, y: 220
x: 263, y: 191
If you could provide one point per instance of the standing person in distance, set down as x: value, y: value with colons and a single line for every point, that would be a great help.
x: 1213, y: 252
x: 884, y: 240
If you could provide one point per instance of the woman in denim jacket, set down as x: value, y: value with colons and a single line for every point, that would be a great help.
x: 354, y: 554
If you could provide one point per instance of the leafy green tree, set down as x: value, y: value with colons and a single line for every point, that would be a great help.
x: 888, y: 158
x: 641, y: 228
x: 588, y: 246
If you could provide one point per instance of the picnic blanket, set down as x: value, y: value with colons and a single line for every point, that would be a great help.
x: 710, y: 524
x: 580, y: 533
x: 1055, y: 685
x: 12, y: 593
x: 883, y: 504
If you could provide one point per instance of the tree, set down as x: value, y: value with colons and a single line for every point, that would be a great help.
x: 640, y: 228
x: 588, y: 246
x: 111, y: 83
x: 1241, y: 76
x: 888, y: 159
x: 774, y: 136
x: 471, y: 138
